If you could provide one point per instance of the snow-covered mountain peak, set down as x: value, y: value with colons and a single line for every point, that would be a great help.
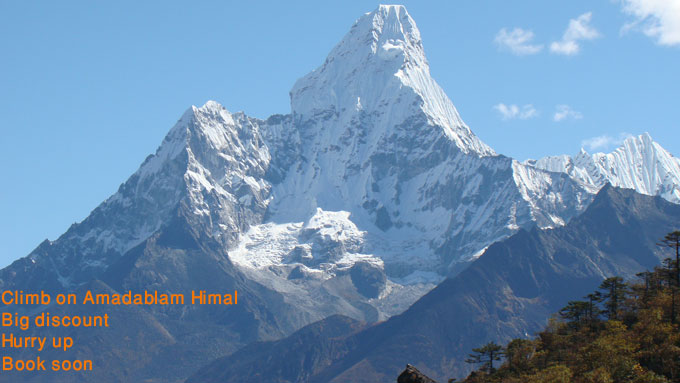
x: 212, y: 108
x: 216, y: 124
x: 358, y: 70
x: 393, y: 34
x: 640, y: 144
x: 209, y: 121
x: 639, y: 163
x: 377, y: 77
x: 632, y: 144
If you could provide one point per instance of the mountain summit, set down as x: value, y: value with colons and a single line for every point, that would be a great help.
x: 379, y: 68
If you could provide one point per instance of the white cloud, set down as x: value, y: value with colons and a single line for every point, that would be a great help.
x: 510, y: 112
x: 604, y: 141
x: 659, y: 19
x: 517, y: 41
x: 579, y: 29
x: 564, y: 111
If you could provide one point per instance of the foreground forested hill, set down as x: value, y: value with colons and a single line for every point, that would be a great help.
x: 623, y: 332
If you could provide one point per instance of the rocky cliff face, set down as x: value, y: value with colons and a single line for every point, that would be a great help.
x: 412, y: 375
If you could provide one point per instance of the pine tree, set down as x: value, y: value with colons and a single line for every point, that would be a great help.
x: 614, y: 293
x: 486, y: 355
x: 593, y: 312
x: 672, y: 240
x: 518, y: 355
x: 576, y: 312
x: 647, y: 288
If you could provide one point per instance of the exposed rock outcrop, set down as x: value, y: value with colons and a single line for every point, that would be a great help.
x: 412, y: 375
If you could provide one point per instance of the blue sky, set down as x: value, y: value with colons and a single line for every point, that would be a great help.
x: 89, y: 89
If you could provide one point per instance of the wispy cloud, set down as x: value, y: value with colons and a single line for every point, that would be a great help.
x: 579, y: 29
x: 604, y: 142
x: 564, y: 112
x: 511, y: 112
x: 659, y: 19
x: 518, y: 41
